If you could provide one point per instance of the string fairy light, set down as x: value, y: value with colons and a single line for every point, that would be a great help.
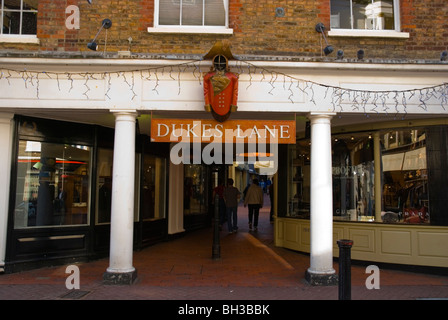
x: 341, y: 99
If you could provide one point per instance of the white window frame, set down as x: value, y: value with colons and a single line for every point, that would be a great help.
x: 396, y: 33
x: 190, y: 29
x: 16, y: 38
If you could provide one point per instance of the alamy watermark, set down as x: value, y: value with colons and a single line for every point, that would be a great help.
x: 73, y: 281
x: 373, y: 280
x: 72, y: 21
x: 225, y: 146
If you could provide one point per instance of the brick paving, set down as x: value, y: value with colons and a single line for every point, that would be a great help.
x: 250, y: 268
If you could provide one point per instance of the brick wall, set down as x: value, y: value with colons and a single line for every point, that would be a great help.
x: 257, y: 29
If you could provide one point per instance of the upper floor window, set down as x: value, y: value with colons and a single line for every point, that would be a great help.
x: 195, y: 16
x: 18, y: 17
x: 375, y: 17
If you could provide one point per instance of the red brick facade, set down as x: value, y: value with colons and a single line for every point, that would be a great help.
x: 257, y: 30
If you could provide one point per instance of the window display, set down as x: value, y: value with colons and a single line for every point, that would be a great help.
x: 52, y: 184
x: 104, y: 185
x: 299, y: 180
x: 353, y: 178
x: 195, y: 193
x: 404, y: 177
x: 153, y: 188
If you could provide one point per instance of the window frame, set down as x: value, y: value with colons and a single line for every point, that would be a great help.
x: 16, y: 37
x: 190, y: 29
x: 395, y: 33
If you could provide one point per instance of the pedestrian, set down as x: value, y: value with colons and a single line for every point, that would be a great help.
x: 231, y: 198
x: 254, y: 199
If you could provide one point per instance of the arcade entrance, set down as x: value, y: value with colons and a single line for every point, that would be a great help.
x: 199, y: 182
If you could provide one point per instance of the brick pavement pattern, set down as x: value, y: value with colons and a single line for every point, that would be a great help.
x: 250, y: 268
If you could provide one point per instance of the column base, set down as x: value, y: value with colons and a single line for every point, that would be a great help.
x: 119, y: 278
x: 321, y: 279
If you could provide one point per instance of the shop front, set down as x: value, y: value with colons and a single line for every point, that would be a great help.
x: 360, y: 171
x: 388, y: 188
x: 61, y: 192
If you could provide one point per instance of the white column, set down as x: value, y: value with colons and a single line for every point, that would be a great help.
x: 6, y: 134
x: 378, y: 193
x: 176, y: 199
x: 121, y: 270
x: 321, y: 270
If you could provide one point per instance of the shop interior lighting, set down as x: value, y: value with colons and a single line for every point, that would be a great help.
x: 106, y: 24
x: 256, y: 154
x: 321, y: 28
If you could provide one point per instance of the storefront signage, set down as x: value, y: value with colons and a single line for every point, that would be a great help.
x: 231, y: 131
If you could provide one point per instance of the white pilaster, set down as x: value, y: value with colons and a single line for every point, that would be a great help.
x: 6, y: 134
x: 321, y: 270
x: 377, y: 176
x: 175, y: 199
x: 121, y: 270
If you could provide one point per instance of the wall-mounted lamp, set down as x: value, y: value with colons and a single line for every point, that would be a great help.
x: 340, y: 55
x: 321, y: 28
x: 106, y: 24
x: 360, y: 54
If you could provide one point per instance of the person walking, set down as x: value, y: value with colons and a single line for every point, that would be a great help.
x: 231, y: 198
x: 254, y: 199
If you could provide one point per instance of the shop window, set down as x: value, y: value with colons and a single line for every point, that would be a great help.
x: 53, y: 183
x: 18, y: 17
x: 299, y: 180
x: 353, y: 177
x: 363, y: 14
x: 195, y: 190
x: 153, y: 188
x: 104, y: 185
x: 405, y: 176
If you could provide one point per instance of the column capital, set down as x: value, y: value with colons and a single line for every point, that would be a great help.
x: 320, y: 115
x: 119, y: 112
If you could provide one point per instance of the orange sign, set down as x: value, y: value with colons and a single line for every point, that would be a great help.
x: 231, y: 131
